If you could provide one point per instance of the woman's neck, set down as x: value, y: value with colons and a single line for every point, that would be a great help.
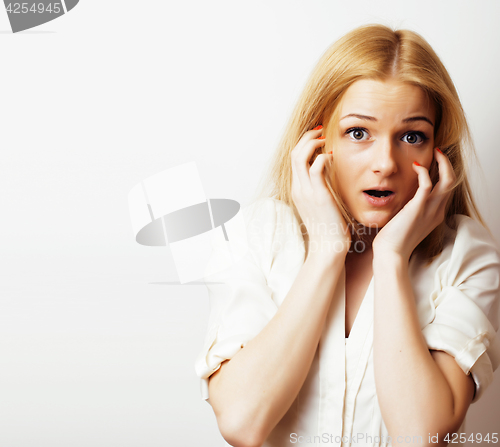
x: 364, y: 240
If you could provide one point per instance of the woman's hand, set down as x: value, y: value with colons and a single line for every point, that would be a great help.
x: 326, y: 227
x: 424, y: 212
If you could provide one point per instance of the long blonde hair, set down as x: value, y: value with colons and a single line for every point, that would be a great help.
x: 377, y: 52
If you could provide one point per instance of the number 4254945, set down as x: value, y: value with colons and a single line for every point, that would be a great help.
x: 25, y: 8
x: 473, y: 438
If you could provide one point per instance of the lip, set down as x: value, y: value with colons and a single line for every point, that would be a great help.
x: 379, y: 201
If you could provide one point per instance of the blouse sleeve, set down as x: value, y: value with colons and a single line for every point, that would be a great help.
x: 466, y: 303
x: 241, y: 302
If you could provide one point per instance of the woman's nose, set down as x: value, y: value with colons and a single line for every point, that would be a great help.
x: 384, y: 158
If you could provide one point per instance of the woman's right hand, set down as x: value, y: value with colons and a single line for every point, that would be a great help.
x: 326, y: 227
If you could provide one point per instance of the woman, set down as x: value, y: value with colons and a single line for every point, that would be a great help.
x: 375, y: 322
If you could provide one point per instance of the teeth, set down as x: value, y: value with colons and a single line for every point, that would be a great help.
x: 376, y: 193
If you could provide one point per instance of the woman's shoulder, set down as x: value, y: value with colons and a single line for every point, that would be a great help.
x: 468, y: 234
x: 273, y: 229
x: 469, y: 248
x: 269, y: 211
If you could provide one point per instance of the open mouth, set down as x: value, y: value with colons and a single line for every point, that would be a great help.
x: 379, y: 198
x: 375, y: 193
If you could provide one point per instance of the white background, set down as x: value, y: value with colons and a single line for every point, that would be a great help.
x: 92, y: 351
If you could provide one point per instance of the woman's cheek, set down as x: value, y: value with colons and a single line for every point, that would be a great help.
x: 425, y: 157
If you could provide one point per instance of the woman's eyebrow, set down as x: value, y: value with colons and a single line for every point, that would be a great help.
x: 372, y: 118
x: 361, y: 117
x: 418, y: 118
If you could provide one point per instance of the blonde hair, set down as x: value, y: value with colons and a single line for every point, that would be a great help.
x: 377, y: 52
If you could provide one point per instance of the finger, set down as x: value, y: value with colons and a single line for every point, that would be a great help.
x: 318, y: 181
x: 301, y: 159
x: 447, y: 176
x: 444, y: 186
x: 424, y: 182
x: 313, y: 133
x: 309, y: 135
x: 316, y: 136
x: 431, y: 203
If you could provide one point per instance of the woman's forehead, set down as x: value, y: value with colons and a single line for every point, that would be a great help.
x: 383, y: 99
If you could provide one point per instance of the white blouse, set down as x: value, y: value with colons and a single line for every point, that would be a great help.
x: 457, y: 298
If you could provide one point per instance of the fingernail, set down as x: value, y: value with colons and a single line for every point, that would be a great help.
x: 439, y: 150
x: 415, y: 163
x: 318, y: 127
x: 331, y: 152
x: 321, y: 138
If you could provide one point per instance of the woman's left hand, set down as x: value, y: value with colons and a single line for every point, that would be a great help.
x: 424, y: 212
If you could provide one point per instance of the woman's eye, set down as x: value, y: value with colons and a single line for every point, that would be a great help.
x: 357, y: 133
x: 414, y: 138
x: 361, y: 134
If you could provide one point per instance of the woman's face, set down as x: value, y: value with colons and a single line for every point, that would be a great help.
x: 384, y: 127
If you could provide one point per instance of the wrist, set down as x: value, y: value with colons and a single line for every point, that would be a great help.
x: 385, y: 258
x: 328, y: 247
x: 327, y: 260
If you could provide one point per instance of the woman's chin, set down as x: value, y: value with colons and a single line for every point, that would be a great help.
x: 374, y: 220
